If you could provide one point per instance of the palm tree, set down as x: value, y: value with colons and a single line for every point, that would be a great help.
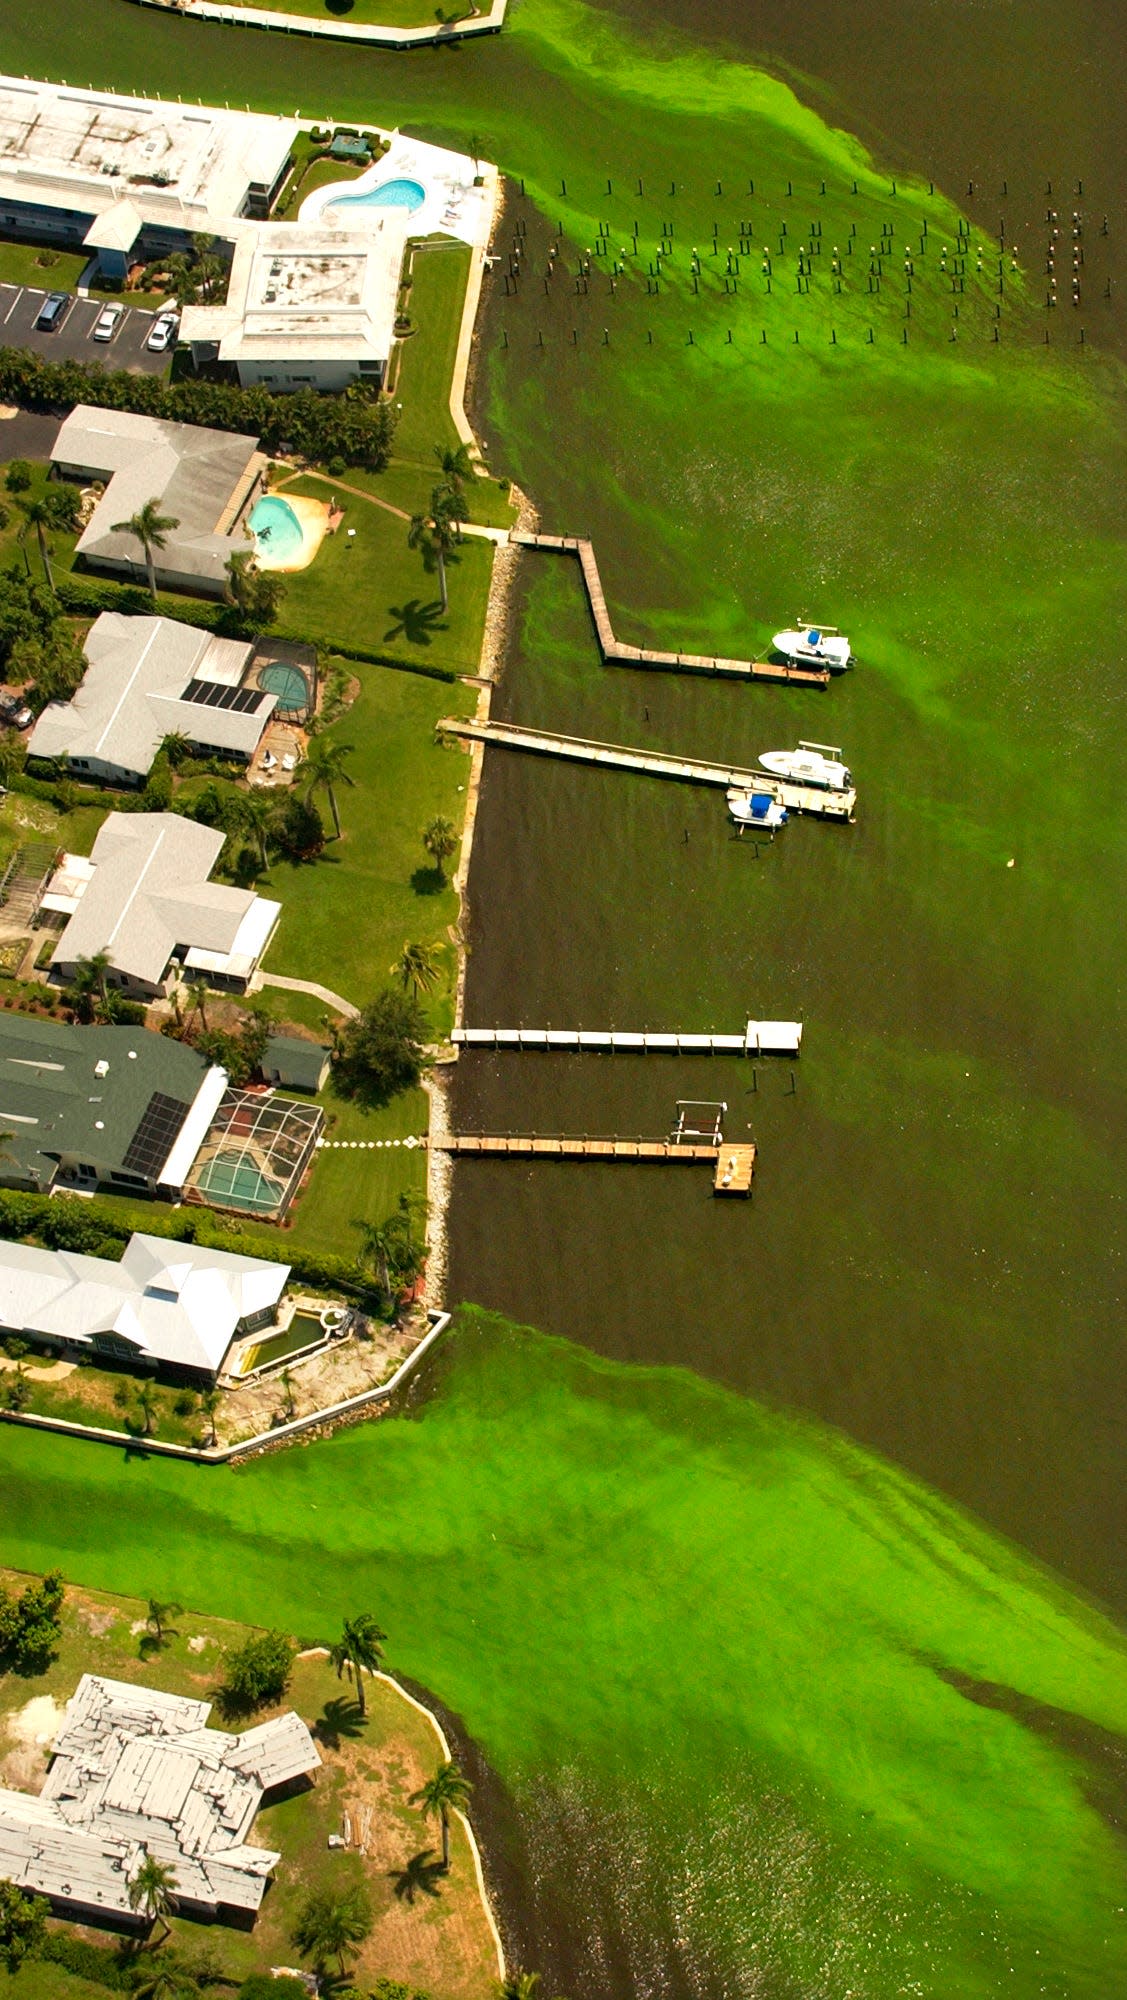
x: 87, y: 988
x: 255, y: 594
x: 151, y: 528
x: 518, y: 1986
x: 436, y: 534
x: 457, y: 466
x: 418, y: 966
x: 440, y: 839
x: 147, y: 1404
x: 158, y: 1620
x: 358, y: 1651
x: 177, y: 748
x: 448, y: 1791
x: 322, y: 769
x: 377, y: 1248
x: 152, y: 1891
x: 286, y: 1379
x: 254, y: 813
x: 210, y: 1400
x: 38, y: 515
x: 164, y: 1979
x: 333, y: 1925
x: 197, y: 994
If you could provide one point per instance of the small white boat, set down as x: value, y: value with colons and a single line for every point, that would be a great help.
x: 815, y: 646
x: 811, y: 764
x: 761, y: 810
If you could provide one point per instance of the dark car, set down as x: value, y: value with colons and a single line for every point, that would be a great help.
x: 52, y: 310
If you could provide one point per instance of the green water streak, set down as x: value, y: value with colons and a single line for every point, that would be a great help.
x: 836, y: 1733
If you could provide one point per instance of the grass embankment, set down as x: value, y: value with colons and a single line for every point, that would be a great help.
x: 832, y: 1730
x: 440, y: 1942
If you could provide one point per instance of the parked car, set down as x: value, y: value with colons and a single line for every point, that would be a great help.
x: 163, y: 332
x: 52, y: 310
x: 16, y: 714
x: 106, y: 324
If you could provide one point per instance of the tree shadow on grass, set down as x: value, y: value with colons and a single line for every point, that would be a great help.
x: 416, y: 622
x: 428, y: 881
x: 420, y: 1876
x: 339, y: 1720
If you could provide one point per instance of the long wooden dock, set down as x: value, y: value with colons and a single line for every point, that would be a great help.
x: 616, y: 654
x: 760, y: 1038
x: 512, y: 1146
x: 655, y: 764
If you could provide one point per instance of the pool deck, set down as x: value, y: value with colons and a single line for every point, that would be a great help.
x: 314, y: 518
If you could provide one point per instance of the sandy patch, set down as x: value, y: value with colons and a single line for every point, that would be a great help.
x: 31, y: 1730
x: 199, y: 1642
x: 313, y: 516
x: 97, y: 1620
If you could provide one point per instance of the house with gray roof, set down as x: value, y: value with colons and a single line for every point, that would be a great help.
x: 136, y: 1772
x: 119, y: 1107
x: 143, y: 897
x: 145, y: 679
x: 170, y: 1306
x: 204, y: 480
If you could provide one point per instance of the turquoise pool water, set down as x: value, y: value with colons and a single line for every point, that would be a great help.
x: 389, y: 194
x: 288, y: 683
x: 236, y: 1181
x: 276, y: 529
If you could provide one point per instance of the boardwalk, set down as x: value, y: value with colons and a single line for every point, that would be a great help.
x: 760, y: 1038
x: 523, y: 1146
x: 655, y: 764
x: 615, y: 654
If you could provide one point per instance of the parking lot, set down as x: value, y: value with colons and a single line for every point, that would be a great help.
x: 71, y: 338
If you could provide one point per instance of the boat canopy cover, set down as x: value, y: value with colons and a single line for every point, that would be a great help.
x: 761, y: 803
x: 814, y: 638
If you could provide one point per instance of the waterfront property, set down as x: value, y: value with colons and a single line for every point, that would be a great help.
x: 143, y: 897
x: 135, y: 1773
x: 170, y: 1306
x: 148, y: 678
x: 131, y: 178
x: 119, y: 1107
x: 203, y: 480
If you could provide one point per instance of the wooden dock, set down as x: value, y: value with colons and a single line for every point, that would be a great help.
x: 760, y: 1038
x: 615, y: 654
x: 734, y: 1170
x: 655, y: 764
x: 514, y: 1146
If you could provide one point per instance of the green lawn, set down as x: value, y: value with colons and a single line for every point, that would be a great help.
x: 34, y: 264
x: 409, y: 483
x: 368, y: 590
x: 435, y: 302
x: 20, y: 543
x: 363, y: 1185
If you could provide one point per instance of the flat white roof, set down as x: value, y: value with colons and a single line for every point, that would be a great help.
x: 313, y: 293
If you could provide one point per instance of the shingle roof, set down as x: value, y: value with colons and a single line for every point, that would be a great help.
x: 130, y: 696
x: 150, y: 893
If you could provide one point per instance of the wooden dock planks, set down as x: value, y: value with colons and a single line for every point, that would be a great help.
x: 735, y: 1169
x: 655, y: 764
x: 615, y: 654
x: 527, y: 1146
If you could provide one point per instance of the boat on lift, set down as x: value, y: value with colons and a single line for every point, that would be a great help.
x: 761, y: 810
x: 815, y: 646
x: 811, y: 764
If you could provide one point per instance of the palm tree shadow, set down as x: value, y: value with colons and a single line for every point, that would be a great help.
x: 416, y: 622
x: 428, y: 881
x: 421, y: 1875
x: 340, y: 1720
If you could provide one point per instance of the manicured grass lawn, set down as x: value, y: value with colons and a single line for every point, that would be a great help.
x: 107, y: 1399
x: 362, y: 1185
x: 370, y: 591
x: 371, y: 1762
x: 23, y: 264
x: 426, y: 364
x: 60, y: 543
x: 408, y: 484
x: 583, y: 1560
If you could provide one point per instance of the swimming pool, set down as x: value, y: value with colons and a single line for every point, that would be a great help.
x: 278, y: 534
x: 235, y: 1181
x: 288, y: 683
x: 400, y: 193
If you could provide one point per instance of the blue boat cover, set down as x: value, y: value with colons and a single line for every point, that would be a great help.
x: 814, y: 638
x: 761, y: 803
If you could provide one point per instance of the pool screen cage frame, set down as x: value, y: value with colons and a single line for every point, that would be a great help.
x: 287, y: 653
x: 273, y: 1136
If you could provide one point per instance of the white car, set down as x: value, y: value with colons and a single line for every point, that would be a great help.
x: 163, y: 332
x: 106, y: 324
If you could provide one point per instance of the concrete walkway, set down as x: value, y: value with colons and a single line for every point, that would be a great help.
x: 341, y: 31
x: 324, y: 993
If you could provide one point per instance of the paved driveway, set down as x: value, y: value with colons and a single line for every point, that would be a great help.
x: 70, y: 341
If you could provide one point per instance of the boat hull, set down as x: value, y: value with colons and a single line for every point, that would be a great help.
x: 821, y: 772
x: 812, y: 648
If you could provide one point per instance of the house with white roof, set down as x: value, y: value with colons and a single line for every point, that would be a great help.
x: 136, y: 1772
x: 175, y: 1307
x: 205, y: 480
x: 145, y: 679
x: 144, y: 898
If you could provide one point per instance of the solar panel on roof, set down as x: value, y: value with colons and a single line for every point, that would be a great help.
x: 153, y: 1140
x: 216, y: 694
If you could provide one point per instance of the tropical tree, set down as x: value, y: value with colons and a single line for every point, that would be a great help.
x: 418, y: 966
x: 153, y: 1891
x: 39, y: 515
x: 151, y: 528
x: 255, y: 593
x: 197, y: 993
x: 322, y: 769
x: 377, y: 1248
x: 436, y: 534
x: 164, y: 1979
x: 159, y: 1627
x: 210, y: 1400
x: 358, y: 1651
x: 457, y: 465
x: 177, y: 748
x: 254, y: 814
x: 440, y: 839
x: 518, y: 1986
x: 23, y: 1924
x: 332, y: 1924
x: 88, y: 993
x: 383, y: 1051
x: 448, y: 1791
x: 147, y: 1405
x: 286, y: 1379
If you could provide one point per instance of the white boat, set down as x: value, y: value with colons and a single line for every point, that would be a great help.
x: 815, y: 646
x: 761, y: 810
x: 811, y: 764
